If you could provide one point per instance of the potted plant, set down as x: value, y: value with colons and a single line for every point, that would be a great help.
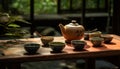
x: 8, y: 25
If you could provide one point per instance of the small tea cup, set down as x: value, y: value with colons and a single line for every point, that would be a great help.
x: 57, y: 46
x: 107, y: 38
x: 32, y: 48
x: 96, y: 41
x: 78, y: 44
x: 46, y: 40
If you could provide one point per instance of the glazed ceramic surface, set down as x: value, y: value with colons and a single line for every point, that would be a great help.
x: 96, y: 41
x: 57, y: 46
x: 72, y: 31
x: 46, y: 39
x: 78, y: 44
x: 31, y: 48
x: 107, y: 38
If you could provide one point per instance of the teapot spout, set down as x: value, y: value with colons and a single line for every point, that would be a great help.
x: 62, y: 28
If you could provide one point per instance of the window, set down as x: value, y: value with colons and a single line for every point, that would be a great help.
x: 97, y: 5
x: 54, y: 6
x: 40, y: 6
x: 69, y: 6
x: 74, y: 6
x: 45, y: 6
x: 20, y: 6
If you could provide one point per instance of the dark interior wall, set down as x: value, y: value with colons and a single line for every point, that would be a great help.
x: 116, y: 17
x: 91, y: 23
x: 96, y: 22
x: 50, y: 23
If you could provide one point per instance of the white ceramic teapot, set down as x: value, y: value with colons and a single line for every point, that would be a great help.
x: 72, y: 31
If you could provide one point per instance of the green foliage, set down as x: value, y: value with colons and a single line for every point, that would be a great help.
x: 50, y: 6
x: 23, y: 6
x: 65, y: 4
x: 41, y: 6
x: 45, y: 6
x: 77, y: 4
x: 8, y: 24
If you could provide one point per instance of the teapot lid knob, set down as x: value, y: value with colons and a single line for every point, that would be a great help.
x: 73, y: 21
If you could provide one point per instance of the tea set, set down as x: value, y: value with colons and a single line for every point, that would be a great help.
x: 73, y: 34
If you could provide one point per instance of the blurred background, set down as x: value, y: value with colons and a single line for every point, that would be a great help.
x: 90, y: 13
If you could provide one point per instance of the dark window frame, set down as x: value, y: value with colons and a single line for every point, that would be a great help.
x: 6, y: 8
x: 71, y: 10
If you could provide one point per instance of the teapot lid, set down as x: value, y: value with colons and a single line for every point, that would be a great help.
x: 73, y: 23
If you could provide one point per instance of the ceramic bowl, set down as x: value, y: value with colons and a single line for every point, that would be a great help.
x: 57, y: 46
x: 46, y: 40
x: 78, y: 44
x: 96, y: 41
x: 32, y: 48
x: 107, y: 38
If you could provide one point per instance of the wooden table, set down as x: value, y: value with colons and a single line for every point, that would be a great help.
x: 15, y: 54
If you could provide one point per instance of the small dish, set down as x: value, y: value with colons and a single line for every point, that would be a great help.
x: 31, y: 48
x: 78, y: 44
x: 57, y: 46
x: 96, y: 41
x: 46, y: 40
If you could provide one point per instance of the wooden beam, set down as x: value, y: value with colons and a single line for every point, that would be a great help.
x: 83, y: 12
x: 32, y: 17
